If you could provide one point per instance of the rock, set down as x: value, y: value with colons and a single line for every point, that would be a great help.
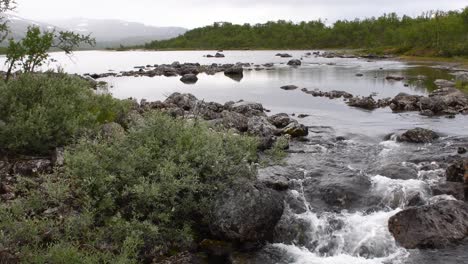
x: 461, y: 150
x: 284, y: 55
x: 235, y: 70
x: 294, y: 63
x: 295, y: 129
x: 359, y: 74
x: 405, y: 102
x: 184, y: 101
x: 395, y: 77
x: 219, y: 55
x: 259, y: 126
x: 32, y: 167
x: 461, y: 76
x: 289, y: 87
x: 367, y: 103
x: 458, y: 171
x: 277, y: 177
x: 248, y: 108
x: 293, y: 230
x: 444, y: 83
x: 430, y: 226
x: 397, y: 172
x: 455, y: 189
x: 303, y: 116
x: 280, y: 120
x: 235, y: 120
x: 58, y: 158
x: 246, y: 213
x: 189, y: 78
x: 418, y: 135
x: 111, y: 131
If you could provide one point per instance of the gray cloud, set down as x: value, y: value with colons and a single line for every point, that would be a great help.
x: 194, y: 13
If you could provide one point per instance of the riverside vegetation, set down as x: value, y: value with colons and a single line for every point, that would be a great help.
x: 433, y: 33
x: 127, y: 193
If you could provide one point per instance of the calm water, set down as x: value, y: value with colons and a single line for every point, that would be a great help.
x: 264, y: 86
x: 363, y: 237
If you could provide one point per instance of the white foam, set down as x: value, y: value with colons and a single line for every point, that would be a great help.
x: 395, y: 192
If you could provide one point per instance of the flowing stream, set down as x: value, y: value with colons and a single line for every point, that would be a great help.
x: 339, y: 206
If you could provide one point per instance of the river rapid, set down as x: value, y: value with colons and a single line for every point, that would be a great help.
x: 344, y: 189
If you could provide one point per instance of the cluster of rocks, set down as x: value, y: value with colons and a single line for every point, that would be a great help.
x: 438, y: 224
x: 217, y: 55
x: 177, y: 69
x: 242, y: 116
x: 283, y: 55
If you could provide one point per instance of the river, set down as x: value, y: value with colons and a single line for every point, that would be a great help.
x: 348, y: 223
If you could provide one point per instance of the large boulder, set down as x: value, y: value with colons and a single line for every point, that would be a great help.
x: 430, y: 226
x: 234, y: 70
x: 405, y: 102
x: 185, y: 101
x: 248, y: 109
x: 235, y: 120
x: 294, y: 129
x: 458, y: 171
x: 367, y: 103
x: 246, y: 213
x: 260, y: 127
x: 280, y: 120
x: 418, y: 135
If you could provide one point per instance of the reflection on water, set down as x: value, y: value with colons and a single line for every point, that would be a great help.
x: 264, y: 86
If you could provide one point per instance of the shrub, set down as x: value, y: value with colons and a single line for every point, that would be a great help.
x: 127, y: 199
x: 39, y: 112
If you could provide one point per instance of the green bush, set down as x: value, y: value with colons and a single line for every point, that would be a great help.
x: 126, y: 199
x: 39, y: 112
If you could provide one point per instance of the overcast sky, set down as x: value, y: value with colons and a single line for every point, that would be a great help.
x: 195, y: 13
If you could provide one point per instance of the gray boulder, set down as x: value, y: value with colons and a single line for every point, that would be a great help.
x: 280, y: 120
x: 294, y: 129
x: 184, y: 101
x: 367, y: 103
x: 235, y: 120
x: 246, y: 213
x: 430, y: 226
x: 189, y: 78
x: 248, y: 109
x: 294, y: 62
x: 418, y: 135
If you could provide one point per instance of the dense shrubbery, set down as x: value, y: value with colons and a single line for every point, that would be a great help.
x: 41, y: 111
x: 433, y: 33
x: 126, y: 199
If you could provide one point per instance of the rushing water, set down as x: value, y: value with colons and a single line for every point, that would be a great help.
x: 338, y: 211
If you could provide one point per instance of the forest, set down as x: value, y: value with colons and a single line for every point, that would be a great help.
x: 433, y: 33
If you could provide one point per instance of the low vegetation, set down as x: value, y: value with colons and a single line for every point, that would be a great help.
x: 39, y: 112
x: 431, y: 34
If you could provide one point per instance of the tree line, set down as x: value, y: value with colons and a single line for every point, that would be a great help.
x: 432, y: 33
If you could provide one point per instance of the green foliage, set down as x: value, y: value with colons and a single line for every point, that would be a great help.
x: 32, y: 51
x: 128, y: 199
x: 39, y: 112
x: 442, y: 33
x: 462, y: 86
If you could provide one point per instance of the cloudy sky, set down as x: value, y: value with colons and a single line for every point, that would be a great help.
x: 195, y: 13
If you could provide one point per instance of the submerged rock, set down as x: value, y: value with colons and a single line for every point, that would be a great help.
x: 284, y: 55
x: 418, y: 135
x: 247, y: 214
x: 395, y: 77
x: 397, y: 171
x: 289, y: 87
x: 430, y: 226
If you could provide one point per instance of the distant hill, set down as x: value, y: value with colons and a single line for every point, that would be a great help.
x: 108, y: 32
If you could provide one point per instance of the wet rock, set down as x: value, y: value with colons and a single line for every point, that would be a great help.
x: 294, y: 63
x: 189, y: 78
x: 367, y: 103
x: 259, y: 126
x: 395, y: 77
x: 246, y: 213
x: 292, y: 230
x: 277, y: 177
x: 405, y: 102
x: 418, y: 135
x: 235, y: 120
x: 32, y: 167
x: 416, y: 200
x: 219, y: 55
x: 444, y: 83
x: 289, y: 87
x: 280, y: 120
x: 430, y: 226
x: 397, y: 171
x: 458, y: 171
x: 454, y: 189
x: 461, y: 150
x: 295, y: 130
